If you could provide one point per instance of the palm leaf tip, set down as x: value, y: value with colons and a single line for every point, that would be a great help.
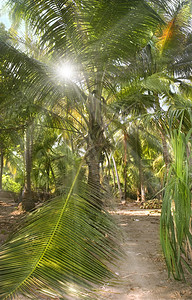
x: 62, y: 244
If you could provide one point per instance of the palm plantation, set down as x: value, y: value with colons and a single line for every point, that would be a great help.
x: 121, y: 122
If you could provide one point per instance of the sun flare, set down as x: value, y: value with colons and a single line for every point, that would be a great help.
x: 65, y: 70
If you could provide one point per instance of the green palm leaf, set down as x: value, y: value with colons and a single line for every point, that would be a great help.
x: 176, y: 209
x: 61, y: 249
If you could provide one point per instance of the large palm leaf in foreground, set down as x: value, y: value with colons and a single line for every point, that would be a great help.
x: 62, y: 250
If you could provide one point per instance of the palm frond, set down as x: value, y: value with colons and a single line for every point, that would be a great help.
x: 63, y: 249
x: 91, y: 29
x: 176, y: 210
x: 39, y: 79
x: 158, y: 83
x: 182, y: 66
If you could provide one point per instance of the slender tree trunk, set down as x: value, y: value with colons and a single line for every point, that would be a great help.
x: 138, y: 195
x: 108, y: 167
x: 27, y: 201
x: 125, y: 163
x: 140, y: 168
x: 125, y: 182
x: 114, y: 182
x: 117, y: 177
x: 142, y: 186
x: 166, y: 155
x: 28, y: 160
x: 94, y: 173
x: 1, y: 171
x: 95, y: 145
x: 113, y: 174
x: 48, y: 174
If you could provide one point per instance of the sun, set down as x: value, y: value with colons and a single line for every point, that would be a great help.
x: 66, y: 70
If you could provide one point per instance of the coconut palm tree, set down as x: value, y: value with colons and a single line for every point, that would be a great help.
x: 66, y: 243
x: 152, y: 81
x: 92, y: 35
x: 163, y: 78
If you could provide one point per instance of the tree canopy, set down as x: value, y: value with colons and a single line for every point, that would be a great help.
x: 107, y: 83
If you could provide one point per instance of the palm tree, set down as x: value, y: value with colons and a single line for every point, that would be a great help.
x: 67, y: 242
x: 152, y: 79
x: 89, y: 34
x: 136, y: 146
x: 163, y: 74
x: 100, y: 38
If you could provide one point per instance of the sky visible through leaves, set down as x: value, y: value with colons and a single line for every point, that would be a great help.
x: 4, y: 18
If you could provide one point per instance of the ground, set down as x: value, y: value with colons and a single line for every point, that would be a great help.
x: 142, y: 272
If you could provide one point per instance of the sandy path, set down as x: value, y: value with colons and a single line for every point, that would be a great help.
x: 9, y: 215
x: 143, y: 274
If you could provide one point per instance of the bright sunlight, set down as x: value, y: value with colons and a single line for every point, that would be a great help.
x: 66, y: 70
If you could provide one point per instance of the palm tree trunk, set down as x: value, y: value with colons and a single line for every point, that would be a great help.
x: 28, y: 160
x: 95, y: 141
x: 1, y: 171
x: 166, y: 155
x: 138, y: 195
x: 94, y: 170
x: 113, y: 174
x: 142, y: 183
x: 117, y: 176
x: 93, y: 161
x: 142, y: 197
x: 125, y: 162
x: 140, y: 169
x: 27, y: 201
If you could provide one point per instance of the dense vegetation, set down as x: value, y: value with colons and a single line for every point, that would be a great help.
x: 102, y: 87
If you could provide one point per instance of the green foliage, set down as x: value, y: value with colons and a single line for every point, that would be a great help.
x: 64, y: 248
x: 9, y: 184
x: 120, y: 50
x: 176, y: 209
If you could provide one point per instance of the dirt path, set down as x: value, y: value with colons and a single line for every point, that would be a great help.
x: 142, y: 274
x: 9, y: 215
